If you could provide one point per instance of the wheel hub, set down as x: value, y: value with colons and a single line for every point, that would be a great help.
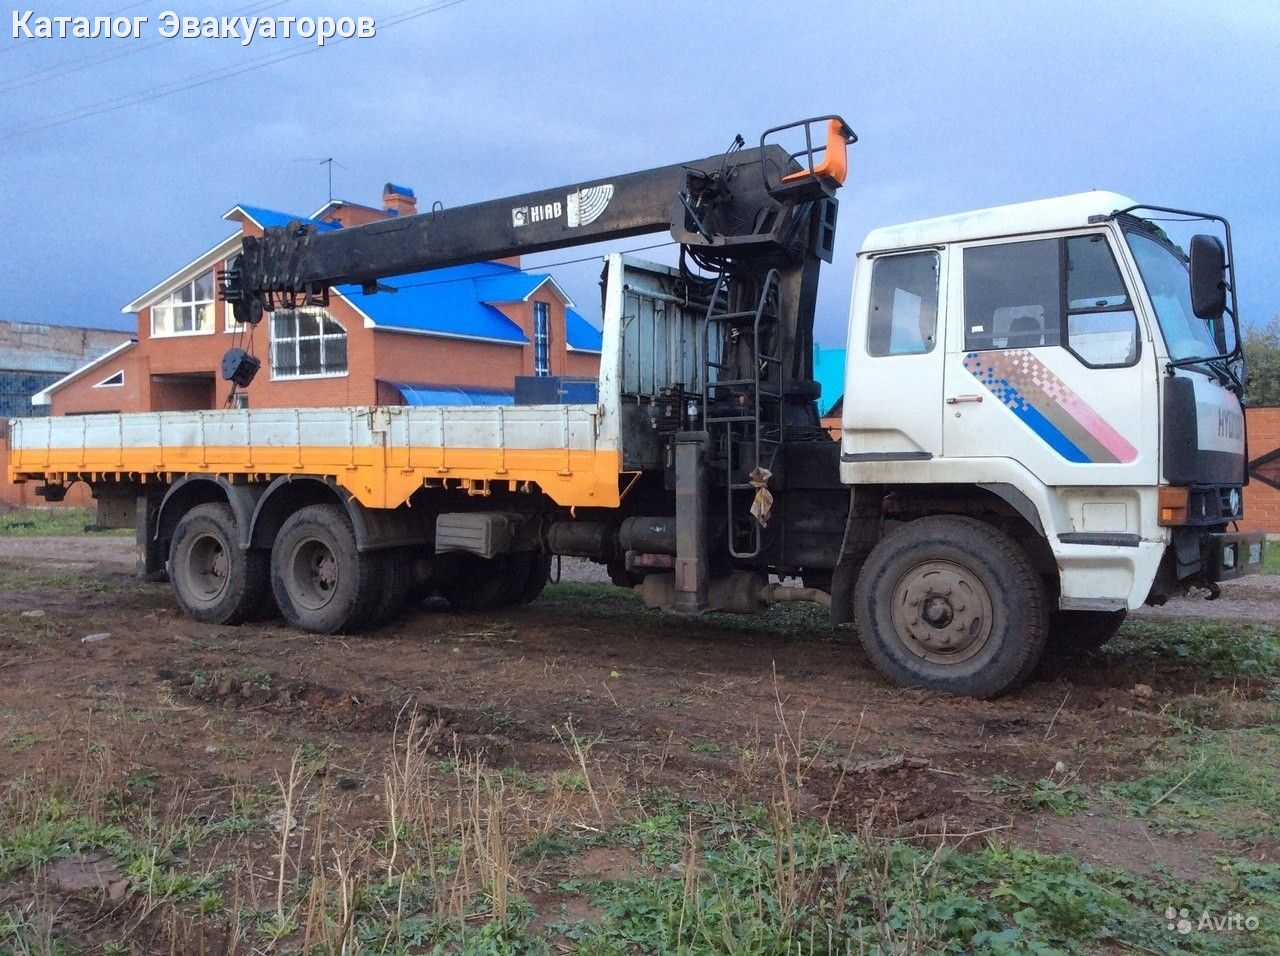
x: 313, y: 574
x: 208, y: 566
x: 942, y: 612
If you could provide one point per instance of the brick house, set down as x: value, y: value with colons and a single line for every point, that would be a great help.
x: 1262, y: 496
x: 450, y: 336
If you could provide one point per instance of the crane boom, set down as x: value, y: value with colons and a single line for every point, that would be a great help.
x: 731, y: 205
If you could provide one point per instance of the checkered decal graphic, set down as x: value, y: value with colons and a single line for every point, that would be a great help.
x: 1045, y: 404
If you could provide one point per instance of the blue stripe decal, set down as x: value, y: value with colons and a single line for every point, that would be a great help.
x: 1029, y: 416
x: 1059, y: 442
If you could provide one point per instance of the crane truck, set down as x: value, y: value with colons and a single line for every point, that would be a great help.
x: 1042, y: 425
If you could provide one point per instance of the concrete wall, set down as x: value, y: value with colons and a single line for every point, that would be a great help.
x: 34, y: 356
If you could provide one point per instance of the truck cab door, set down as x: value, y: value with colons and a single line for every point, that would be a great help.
x: 894, y: 372
x: 1048, y: 371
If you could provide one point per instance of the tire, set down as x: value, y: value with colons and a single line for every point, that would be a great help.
x: 484, y: 584
x: 1083, y: 630
x: 395, y: 575
x: 321, y: 582
x: 212, y: 578
x: 952, y: 604
x: 536, y: 579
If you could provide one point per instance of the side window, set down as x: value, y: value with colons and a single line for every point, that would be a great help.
x: 1044, y: 292
x: 1102, y: 329
x: 904, y: 305
x: 1011, y: 295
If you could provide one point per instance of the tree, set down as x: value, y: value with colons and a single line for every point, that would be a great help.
x: 1262, y: 363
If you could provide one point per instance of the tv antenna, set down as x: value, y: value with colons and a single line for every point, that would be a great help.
x: 329, y: 162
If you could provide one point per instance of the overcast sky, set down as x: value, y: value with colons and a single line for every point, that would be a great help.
x: 958, y: 105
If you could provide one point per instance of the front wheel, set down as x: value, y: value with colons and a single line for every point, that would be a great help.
x: 1083, y: 630
x: 953, y: 604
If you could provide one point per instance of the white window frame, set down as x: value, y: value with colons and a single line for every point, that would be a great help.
x: 542, y: 339
x: 296, y: 340
x: 107, y: 383
x: 170, y: 302
x: 229, y: 323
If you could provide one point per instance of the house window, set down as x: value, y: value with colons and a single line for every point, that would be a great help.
x: 187, y: 311
x: 306, y: 342
x: 115, y: 380
x: 541, y: 338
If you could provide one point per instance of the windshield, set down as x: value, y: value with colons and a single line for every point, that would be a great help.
x: 1168, y: 284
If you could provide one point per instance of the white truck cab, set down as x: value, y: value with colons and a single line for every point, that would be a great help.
x: 1050, y: 353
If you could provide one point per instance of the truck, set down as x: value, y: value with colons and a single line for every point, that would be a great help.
x: 1042, y: 425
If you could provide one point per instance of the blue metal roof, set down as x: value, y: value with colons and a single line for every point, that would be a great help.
x: 442, y: 302
x: 828, y: 370
x: 452, y: 394
x: 582, y: 335
x: 271, y: 218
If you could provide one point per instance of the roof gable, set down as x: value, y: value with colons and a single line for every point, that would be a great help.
x: 444, y: 302
x: 43, y: 396
x: 581, y: 335
x: 265, y: 218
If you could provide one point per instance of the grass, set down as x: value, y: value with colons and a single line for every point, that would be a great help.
x: 454, y: 856
x: 438, y: 851
x: 748, y: 879
x: 1220, y: 650
x: 1271, y: 558
x: 49, y: 521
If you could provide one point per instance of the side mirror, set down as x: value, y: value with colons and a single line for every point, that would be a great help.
x: 1208, y: 277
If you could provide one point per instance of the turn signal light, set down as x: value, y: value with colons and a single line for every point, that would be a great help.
x: 1173, y: 505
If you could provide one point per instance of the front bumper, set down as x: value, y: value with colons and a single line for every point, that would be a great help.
x: 1230, y: 555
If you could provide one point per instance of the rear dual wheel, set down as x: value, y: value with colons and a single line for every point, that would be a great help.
x: 953, y: 604
x: 213, y: 579
x: 321, y: 580
x: 474, y: 583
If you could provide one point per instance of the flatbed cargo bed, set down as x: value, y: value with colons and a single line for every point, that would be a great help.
x: 379, y: 454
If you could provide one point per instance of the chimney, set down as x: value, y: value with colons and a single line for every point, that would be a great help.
x: 399, y: 200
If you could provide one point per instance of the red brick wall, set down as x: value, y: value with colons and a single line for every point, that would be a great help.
x: 1262, y: 503
x: 371, y: 356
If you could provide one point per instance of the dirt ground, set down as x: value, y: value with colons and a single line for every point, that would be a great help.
x: 197, y: 705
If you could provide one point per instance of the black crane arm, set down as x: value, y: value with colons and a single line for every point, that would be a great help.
x: 747, y: 204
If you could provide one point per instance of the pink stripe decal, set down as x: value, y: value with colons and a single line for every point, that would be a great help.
x: 1110, y: 439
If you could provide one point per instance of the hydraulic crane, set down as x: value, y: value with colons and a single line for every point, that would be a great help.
x: 757, y: 222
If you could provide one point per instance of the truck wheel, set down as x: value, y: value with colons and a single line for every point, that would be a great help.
x: 1083, y: 630
x: 536, y: 579
x: 484, y: 584
x: 396, y: 576
x: 478, y: 584
x: 322, y: 583
x: 213, y: 579
x: 952, y: 604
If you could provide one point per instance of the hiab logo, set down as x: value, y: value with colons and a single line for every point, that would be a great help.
x: 524, y: 215
x: 586, y: 205
x: 580, y: 208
